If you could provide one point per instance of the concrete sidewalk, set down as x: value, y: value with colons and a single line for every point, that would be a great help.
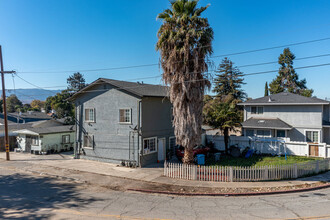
x: 149, y: 175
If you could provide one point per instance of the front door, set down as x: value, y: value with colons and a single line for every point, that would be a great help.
x: 161, y: 148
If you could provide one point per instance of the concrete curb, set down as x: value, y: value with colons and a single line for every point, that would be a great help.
x: 324, y: 186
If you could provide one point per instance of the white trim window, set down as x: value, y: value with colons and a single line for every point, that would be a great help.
x: 257, y: 110
x: 66, y: 139
x: 263, y: 133
x: 249, y: 133
x: 125, y: 116
x: 89, y: 115
x: 34, y: 140
x: 149, y: 145
x: 281, y: 133
x: 312, y: 136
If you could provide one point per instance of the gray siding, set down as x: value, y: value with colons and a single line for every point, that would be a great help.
x: 114, y: 141
x: 297, y: 116
x: 156, y: 122
x: 301, y: 118
x: 111, y: 138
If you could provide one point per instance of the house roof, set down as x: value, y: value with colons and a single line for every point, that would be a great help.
x: 285, y: 98
x: 39, y: 124
x: 136, y: 88
x: 271, y: 123
x: 48, y: 130
x: 38, y: 115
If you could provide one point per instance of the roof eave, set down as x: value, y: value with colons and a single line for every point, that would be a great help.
x: 322, y: 103
x: 278, y: 128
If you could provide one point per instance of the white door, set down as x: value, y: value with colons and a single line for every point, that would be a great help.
x: 161, y: 148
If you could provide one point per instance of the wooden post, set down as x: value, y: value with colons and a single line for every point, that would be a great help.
x: 4, y: 104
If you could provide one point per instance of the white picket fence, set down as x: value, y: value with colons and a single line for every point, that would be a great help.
x: 244, y: 174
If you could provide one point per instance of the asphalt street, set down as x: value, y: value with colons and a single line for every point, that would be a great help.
x: 29, y: 196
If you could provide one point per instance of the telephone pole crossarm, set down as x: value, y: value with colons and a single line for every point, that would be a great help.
x: 10, y: 72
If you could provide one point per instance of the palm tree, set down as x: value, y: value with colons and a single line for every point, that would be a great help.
x: 184, y: 42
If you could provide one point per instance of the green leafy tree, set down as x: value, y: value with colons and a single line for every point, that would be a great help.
x: 266, y: 89
x: 59, y: 103
x: 287, y: 79
x: 184, y: 43
x: 37, y: 104
x: 76, y: 82
x: 224, y: 116
x: 222, y: 111
x: 13, y: 103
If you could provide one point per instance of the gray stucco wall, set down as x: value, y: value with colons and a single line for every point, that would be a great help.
x: 111, y: 138
x: 156, y: 122
x: 114, y: 141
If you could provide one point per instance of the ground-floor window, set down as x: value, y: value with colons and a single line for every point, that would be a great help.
x: 280, y: 133
x: 34, y: 140
x: 88, y: 141
x: 263, y: 133
x: 249, y: 132
x: 66, y: 139
x: 312, y: 136
x: 149, y: 145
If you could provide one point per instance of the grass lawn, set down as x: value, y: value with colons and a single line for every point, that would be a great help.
x: 260, y: 160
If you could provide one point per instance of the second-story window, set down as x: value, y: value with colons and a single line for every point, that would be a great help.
x: 90, y: 115
x: 257, y: 110
x: 125, y: 116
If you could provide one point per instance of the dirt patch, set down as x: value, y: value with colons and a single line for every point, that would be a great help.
x: 104, y: 182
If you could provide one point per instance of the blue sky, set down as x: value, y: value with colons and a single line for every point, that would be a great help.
x: 71, y: 35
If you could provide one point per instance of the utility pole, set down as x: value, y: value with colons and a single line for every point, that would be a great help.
x: 4, y: 104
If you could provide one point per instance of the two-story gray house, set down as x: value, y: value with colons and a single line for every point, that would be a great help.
x: 288, y: 116
x: 119, y: 121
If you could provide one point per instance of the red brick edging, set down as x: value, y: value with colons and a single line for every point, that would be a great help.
x: 327, y: 185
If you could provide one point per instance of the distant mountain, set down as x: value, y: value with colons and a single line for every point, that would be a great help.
x: 27, y: 95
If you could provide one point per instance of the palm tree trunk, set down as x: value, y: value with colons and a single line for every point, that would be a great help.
x: 188, y: 155
x: 226, y: 139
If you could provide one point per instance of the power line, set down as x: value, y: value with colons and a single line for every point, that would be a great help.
x: 139, y: 86
x: 157, y: 64
x: 301, y: 58
x: 271, y: 48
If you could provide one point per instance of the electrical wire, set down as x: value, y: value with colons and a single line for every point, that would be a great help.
x: 144, y: 85
x: 157, y: 64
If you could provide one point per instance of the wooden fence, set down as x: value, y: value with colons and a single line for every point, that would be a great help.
x: 244, y: 174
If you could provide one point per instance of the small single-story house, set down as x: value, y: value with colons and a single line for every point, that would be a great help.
x: 26, y: 117
x: 46, y: 139
x: 19, y: 126
x: 291, y: 118
x: 123, y: 122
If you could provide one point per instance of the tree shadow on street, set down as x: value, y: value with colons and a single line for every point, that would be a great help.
x: 33, y: 197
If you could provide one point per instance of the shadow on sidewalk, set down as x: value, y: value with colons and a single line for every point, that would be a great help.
x: 24, y: 196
